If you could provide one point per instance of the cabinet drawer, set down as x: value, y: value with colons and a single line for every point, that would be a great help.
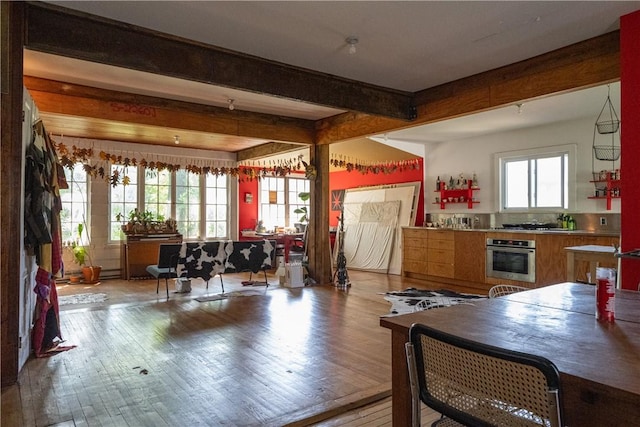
x: 440, y: 269
x: 441, y: 255
x: 414, y: 267
x: 415, y: 254
x: 440, y: 234
x: 441, y: 244
x: 414, y: 233
x: 413, y: 242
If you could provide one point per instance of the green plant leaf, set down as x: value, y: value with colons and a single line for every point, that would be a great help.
x: 304, y: 196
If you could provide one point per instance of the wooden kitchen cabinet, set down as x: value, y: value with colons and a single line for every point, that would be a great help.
x: 440, y: 253
x: 470, y: 256
x: 551, y: 257
x: 414, y: 251
x: 137, y: 252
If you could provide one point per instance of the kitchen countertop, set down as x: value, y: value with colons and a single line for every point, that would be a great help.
x: 507, y: 230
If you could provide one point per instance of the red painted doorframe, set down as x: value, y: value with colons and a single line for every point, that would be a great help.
x: 630, y: 143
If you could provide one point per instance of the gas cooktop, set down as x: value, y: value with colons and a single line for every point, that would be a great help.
x: 530, y: 226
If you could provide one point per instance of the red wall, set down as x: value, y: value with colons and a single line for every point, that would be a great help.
x: 630, y: 144
x: 344, y: 180
x: 248, y: 212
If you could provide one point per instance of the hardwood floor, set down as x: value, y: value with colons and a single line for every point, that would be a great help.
x: 282, y: 357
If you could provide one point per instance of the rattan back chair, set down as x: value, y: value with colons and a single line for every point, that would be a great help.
x: 473, y: 384
x: 500, y: 290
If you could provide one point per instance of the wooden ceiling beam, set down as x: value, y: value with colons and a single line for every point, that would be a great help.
x: 60, y: 31
x: 266, y: 150
x: 586, y: 64
x: 71, y: 100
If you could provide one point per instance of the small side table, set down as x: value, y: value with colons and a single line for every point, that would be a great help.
x: 593, y: 254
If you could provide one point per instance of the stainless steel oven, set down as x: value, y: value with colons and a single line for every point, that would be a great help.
x: 511, y: 259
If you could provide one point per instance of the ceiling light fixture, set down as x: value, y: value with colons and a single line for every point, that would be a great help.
x: 352, y: 41
x: 176, y: 140
x: 519, y: 108
x: 231, y: 105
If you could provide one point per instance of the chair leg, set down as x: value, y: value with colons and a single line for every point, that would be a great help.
x: 413, y: 384
x: 221, y: 283
x: 266, y: 282
x: 158, y: 285
x: 166, y: 284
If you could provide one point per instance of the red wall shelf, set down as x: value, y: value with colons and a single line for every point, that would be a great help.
x: 610, y: 187
x: 456, y: 194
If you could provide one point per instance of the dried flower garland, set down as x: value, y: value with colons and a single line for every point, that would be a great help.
x: 386, y: 168
x: 100, y: 167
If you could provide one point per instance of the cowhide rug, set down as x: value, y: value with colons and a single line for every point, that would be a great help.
x: 412, y: 300
x: 81, y: 299
x: 235, y: 294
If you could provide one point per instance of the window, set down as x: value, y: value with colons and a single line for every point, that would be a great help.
x: 216, y: 206
x: 188, y: 203
x: 535, y: 181
x: 74, y: 202
x: 279, y: 199
x: 123, y: 199
x: 184, y: 196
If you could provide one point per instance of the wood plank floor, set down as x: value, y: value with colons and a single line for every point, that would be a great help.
x: 281, y: 357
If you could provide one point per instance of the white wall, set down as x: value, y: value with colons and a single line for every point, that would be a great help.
x: 475, y: 155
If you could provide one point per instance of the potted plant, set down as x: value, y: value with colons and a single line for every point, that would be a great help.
x: 302, y: 224
x: 82, y: 256
x: 124, y: 226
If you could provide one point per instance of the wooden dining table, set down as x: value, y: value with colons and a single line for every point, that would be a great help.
x: 599, y: 362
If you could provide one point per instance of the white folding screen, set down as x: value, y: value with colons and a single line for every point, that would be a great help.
x: 370, y: 242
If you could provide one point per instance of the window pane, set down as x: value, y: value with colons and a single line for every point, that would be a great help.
x: 516, y: 189
x: 549, y: 182
x: 74, y: 202
x: 272, y: 214
x: 216, y: 207
x: 297, y: 186
x: 157, y: 193
x: 123, y: 199
x: 188, y: 204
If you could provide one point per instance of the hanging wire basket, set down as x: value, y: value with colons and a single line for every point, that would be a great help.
x: 607, y: 121
x: 608, y: 127
x: 606, y: 152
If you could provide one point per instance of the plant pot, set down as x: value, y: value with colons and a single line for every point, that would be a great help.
x: 91, y: 274
x: 74, y: 279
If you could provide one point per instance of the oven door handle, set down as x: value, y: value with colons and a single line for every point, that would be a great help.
x: 510, y: 249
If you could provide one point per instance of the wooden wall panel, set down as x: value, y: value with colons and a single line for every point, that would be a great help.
x: 11, y: 24
x: 470, y: 255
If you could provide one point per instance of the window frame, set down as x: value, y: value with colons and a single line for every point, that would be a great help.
x: 568, y: 171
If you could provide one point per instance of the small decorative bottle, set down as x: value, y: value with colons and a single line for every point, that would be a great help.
x: 474, y: 181
x: 438, y: 184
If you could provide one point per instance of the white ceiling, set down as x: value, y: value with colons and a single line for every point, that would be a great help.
x: 410, y: 46
x: 570, y: 106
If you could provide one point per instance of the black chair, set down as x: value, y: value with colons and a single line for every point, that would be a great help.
x: 168, y: 255
x: 474, y: 384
